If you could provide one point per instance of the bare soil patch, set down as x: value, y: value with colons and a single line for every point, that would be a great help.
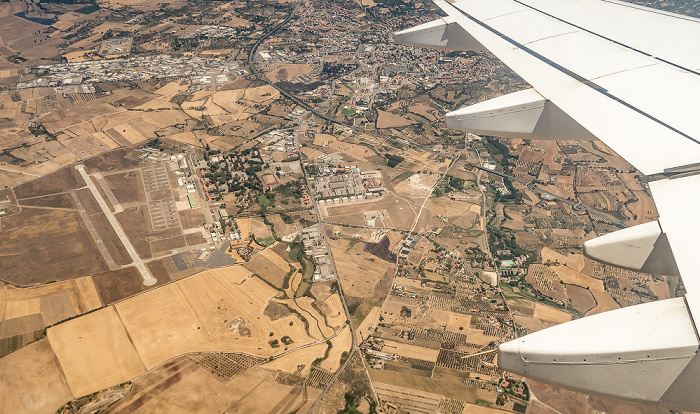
x: 55, y: 241
x: 550, y: 398
x: 267, y: 270
x: 193, y: 239
x: 381, y: 250
x: 119, y: 159
x: 582, y: 299
x: 165, y: 245
x: 127, y: 187
x: 58, y: 182
x: 111, y: 240
x: 32, y: 381
x: 191, y: 218
x: 115, y: 285
x: 53, y: 201
x: 389, y: 120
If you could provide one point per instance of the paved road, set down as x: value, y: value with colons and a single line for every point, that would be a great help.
x: 148, y: 280
x: 98, y: 239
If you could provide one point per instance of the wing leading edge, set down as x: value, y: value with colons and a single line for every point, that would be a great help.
x: 593, y: 78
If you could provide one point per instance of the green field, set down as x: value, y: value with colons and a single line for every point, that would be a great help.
x: 88, y: 9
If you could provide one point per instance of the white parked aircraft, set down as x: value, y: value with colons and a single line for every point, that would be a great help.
x: 629, y: 76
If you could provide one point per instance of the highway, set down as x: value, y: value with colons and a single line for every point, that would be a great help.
x: 148, y: 280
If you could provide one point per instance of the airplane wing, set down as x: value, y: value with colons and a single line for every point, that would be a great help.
x: 630, y: 77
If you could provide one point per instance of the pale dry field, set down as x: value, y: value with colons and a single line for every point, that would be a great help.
x: 165, y: 119
x: 426, y: 111
x: 161, y: 103
x: 161, y: 325
x: 32, y: 381
x: 455, y: 321
x: 354, y: 151
x: 572, y: 261
x: 411, y: 351
x: 324, y: 139
x: 569, y: 275
x: 306, y: 356
x: 171, y: 88
x: 229, y: 100
x: 532, y: 323
x: 244, y: 225
x: 275, y: 259
x: 341, y: 343
x: 417, y: 185
x: 201, y: 108
x: 212, y: 300
x: 17, y: 302
x: 185, y: 138
x: 389, y: 120
x: 460, y: 213
x: 660, y: 289
x: 404, y: 281
x: 359, y: 270
x: 335, y: 314
x: 311, y: 153
x: 304, y: 303
x: 551, y: 314
x: 115, y: 344
x: 372, y: 318
x: 188, y: 388
x: 480, y: 409
x: 294, y: 281
x: 261, y: 94
x: 94, y: 352
x: 289, y: 71
x: 400, y: 213
x: 316, y: 330
x: 260, y: 229
x: 270, y: 397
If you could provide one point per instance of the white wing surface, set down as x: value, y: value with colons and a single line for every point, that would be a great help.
x: 629, y: 76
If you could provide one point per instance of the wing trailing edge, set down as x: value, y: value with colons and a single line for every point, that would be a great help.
x: 524, y: 114
x: 586, y: 83
x: 441, y: 34
x: 639, y: 353
x: 642, y: 248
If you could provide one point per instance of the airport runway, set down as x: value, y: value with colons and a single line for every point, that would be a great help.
x: 98, y: 239
x: 148, y: 280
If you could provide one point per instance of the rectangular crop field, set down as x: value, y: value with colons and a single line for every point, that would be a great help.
x: 94, y: 352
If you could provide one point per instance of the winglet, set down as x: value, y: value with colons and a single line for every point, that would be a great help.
x: 442, y: 34
x: 523, y: 114
x: 642, y: 248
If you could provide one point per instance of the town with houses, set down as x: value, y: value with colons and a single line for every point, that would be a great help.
x: 261, y: 200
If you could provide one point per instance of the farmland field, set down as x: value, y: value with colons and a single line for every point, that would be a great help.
x: 201, y: 313
x: 29, y: 242
x: 94, y: 352
x: 43, y: 390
